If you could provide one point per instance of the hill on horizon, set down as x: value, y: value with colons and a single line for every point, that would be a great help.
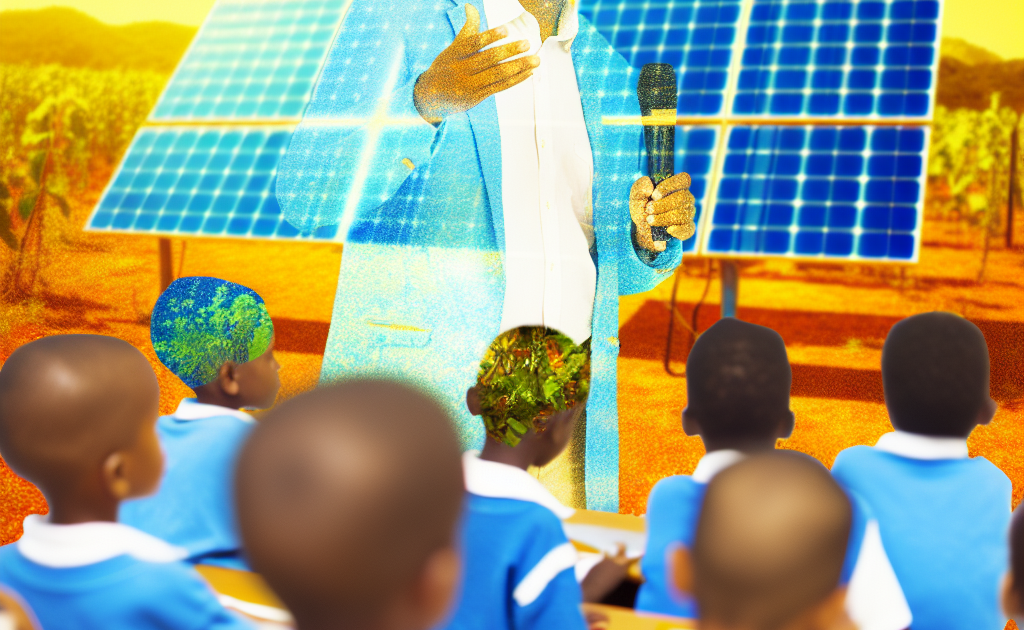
x: 68, y: 37
x: 966, y: 52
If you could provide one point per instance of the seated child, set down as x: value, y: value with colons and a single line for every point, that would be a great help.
x: 77, y: 419
x: 737, y: 382
x: 348, y: 501
x: 1013, y: 581
x: 519, y: 572
x: 943, y: 515
x: 217, y: 337
x: 770, y: 547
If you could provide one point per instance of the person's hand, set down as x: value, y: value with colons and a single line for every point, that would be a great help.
x: 670, y: 205
x: 606, y: 575
x: 463, y: 75
x: 596, y: 620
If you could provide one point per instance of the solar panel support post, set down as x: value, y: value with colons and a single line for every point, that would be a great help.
x: 730, y: 287
x: 166, y: 264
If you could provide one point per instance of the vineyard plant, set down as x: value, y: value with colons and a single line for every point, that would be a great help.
x: 61, y: 130
x: 969, y: 168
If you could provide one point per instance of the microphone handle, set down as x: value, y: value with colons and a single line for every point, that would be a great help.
x: 660, y: 141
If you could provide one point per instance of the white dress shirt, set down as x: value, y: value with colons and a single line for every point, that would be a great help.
x: 546, y: 175
x: 917, y: 446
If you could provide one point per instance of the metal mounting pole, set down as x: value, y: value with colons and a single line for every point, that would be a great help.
x: 730, y: 287
x: 166, y: 264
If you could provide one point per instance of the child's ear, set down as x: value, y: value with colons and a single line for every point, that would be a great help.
x: 1010, y: 598
x: 435, y: 589
x: 115, y: 476
x: 691, y: 426
x: 988, y: 412
x: 227, y: 379
x: 681, y: 566
x: 786, y: 426
x: 473, y: 400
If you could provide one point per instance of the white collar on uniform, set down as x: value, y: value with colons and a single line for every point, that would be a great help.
x: 917, y: 446
x: 192, y: 409
x: 65, y: 546
x: 501, y: 481
x: 501, y: 12
x: 713, y: 463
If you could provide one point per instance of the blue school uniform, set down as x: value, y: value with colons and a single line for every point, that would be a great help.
x: 194, y: 507
x: 875, y: 600
x: 107, y: 576
x: 944, y: 519
x: 518, y: 571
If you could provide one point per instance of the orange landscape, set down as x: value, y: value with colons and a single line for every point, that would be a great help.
x: 833, y: 317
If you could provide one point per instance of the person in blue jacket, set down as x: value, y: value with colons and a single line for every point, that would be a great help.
x: 943, y: 514
x: 77, y: 419
x: 218, y: 338
x: 737, y: 385
x: 481, y: 182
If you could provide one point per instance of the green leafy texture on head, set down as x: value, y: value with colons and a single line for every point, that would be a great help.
x: 199, y: 324
x: 527, y: 375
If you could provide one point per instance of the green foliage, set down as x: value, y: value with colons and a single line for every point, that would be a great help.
x: 528, y: 374
x: 970, y: 154
x: 57, y: 126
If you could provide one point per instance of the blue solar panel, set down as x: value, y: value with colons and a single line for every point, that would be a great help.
x: 820, y: 192
x: 695, y: 154
x: 213, y: 181
x: 823, y: 59
x: 252, y: 59
x: 694, y: 36
x: 251, y: 71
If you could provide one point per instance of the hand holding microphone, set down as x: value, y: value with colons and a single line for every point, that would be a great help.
x: 661, y: 205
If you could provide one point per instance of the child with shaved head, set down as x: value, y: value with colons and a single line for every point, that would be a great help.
x: 769, y: 548
x: 348, y: 499
x: 943, y: 514
x: 217, y: 337
x: 737, y: 382
x: 77, y: 419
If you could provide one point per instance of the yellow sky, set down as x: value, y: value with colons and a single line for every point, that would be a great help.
x: 997, y: 25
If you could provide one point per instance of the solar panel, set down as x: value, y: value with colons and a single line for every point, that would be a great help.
x: 694, y: 36
x: 214, y: 181
x: 753, y: 76
x: 206, y: 161
x: 846, y: 59
x: 836, y: 192
x: 252, y: 60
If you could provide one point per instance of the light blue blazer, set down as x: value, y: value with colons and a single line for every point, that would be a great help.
x: 421, y: 286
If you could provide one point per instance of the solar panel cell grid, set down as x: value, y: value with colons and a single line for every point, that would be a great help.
x: 694, y: 36
x: 251, y: 60
x: 820, y: 59
x: 820, y: 192
x: 209, y: 181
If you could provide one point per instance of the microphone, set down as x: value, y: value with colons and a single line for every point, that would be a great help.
x: 656, y: 92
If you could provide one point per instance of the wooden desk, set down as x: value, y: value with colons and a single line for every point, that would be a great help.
x: 628, y: 619
x: 249, y: 594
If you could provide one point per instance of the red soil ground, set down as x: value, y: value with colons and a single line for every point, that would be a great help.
x: 834, y: 319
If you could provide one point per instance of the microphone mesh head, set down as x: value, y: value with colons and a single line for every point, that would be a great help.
x: 657, y: 88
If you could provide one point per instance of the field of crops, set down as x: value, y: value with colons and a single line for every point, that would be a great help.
x: 63, y: 130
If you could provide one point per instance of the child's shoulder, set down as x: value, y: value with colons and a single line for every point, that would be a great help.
x: 521, y: 510
x: 675, y: 490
